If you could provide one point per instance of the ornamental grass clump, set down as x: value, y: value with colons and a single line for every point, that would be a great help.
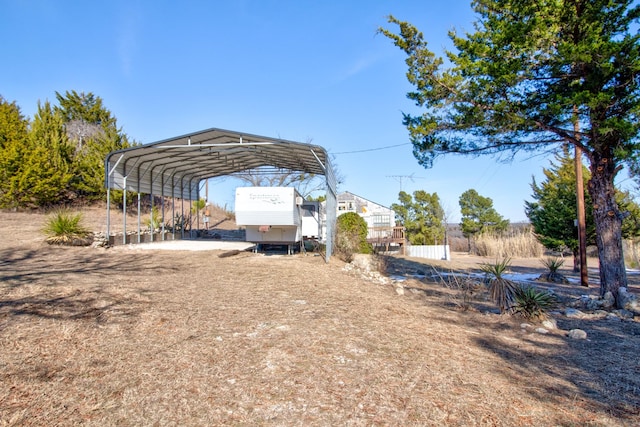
x: 501, y: 289
x: 65, y: 228
x: 532, y: 303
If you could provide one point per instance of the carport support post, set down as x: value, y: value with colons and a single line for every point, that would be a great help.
x: 108, y: 210
x: 138, y: 217
x: 173, y: 207
x: 162, y: 204
x: 124, y: 211
x: 182, y: 207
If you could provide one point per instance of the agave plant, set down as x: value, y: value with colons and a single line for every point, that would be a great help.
x: 65, y: 228
x: 501, y: 289
x: 533, y: 303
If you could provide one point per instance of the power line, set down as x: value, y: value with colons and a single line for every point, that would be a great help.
x: 373, y: 149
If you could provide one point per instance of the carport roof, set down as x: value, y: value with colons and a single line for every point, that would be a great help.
x: 175, y: 166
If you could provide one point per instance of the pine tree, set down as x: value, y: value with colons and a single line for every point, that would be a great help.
x: 45, y: 172
x: 478, y: 215
x: 554, y: 212
x: 13, y: 135
x: 422, y: 217
x: 93, y: 131
x: 527, y: 73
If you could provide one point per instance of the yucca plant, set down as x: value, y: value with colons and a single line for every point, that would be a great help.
x: 501, y: 289
x: 533, y: 303
x: 553, y: 264
x: 65, y: 228
x: 154, y: 220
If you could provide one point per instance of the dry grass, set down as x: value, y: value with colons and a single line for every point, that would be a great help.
x: 119, y: 337
x: 518, y: 243
x: 632, y: 252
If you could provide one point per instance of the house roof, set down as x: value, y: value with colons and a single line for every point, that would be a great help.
x: 175, y: 166
x: 347, y: 195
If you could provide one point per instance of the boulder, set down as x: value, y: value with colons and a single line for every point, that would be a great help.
x: 614, y: 317
x: 623, y: 314
x: 573, y: 313
x: 608, y: 301
x: 549, y: 324
x: 628, y: 301
x: 577, y: 334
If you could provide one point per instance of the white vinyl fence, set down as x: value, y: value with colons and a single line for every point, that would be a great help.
x: 429, y: 251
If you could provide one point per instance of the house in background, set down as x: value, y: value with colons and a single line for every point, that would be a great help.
x: 381, y: 220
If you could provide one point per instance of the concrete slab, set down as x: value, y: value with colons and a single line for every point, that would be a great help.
x: 193, y: 245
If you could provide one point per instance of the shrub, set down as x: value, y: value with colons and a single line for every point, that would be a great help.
x: 533, y: 303
x: 351, y: 236
x: 65, y: 228
x: 502, y: 290
x: 464, y: 288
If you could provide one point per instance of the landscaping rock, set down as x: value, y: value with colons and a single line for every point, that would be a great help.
x: 623, y: 314
x: 542, y: 331
x: 591, y: 302
x: 573, y: 313
x: 552, y: 278
x: 608, y: 301
x: 550, y: 324
x: 628, y: 301
x: 577, y: 334
x: 365, y: 262
x: 614, y: 317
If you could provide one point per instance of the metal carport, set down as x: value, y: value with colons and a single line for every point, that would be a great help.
x: 175, y: 167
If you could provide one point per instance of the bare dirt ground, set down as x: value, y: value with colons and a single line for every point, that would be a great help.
x: 97, y: 337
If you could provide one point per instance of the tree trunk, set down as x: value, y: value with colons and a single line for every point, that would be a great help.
x: 576, y: 260
x: 608, y: 221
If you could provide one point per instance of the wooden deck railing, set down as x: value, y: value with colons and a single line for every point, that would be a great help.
x: 386, y: 235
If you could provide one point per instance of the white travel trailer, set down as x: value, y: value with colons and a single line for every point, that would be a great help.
x: 276, y: 215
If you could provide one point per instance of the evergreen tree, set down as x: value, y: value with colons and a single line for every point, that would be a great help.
x: 13, y: 136
x: 94, y: 133
x: 554, y: 211
x: 533, y: 76
x: 479, y: 216
x: 45, y: 173
x: 422, y: 217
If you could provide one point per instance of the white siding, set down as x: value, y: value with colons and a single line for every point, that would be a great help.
x: 267, y: 206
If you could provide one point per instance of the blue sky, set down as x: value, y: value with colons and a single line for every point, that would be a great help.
x: 306, y: 71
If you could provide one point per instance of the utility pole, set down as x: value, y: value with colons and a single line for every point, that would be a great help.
x: 582, y: 227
